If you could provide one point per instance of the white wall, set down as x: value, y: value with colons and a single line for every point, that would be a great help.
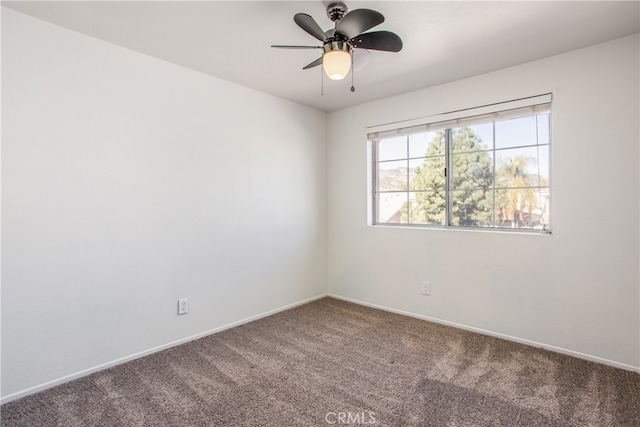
x: 127, y: 183
x: 577, y: 290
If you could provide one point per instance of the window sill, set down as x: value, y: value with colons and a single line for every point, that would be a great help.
x: 528, y: 232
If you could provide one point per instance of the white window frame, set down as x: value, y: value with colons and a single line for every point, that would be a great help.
x: 468, y: 116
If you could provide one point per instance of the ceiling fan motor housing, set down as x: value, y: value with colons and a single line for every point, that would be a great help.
x: 336, y: 11
x: 334, y: 45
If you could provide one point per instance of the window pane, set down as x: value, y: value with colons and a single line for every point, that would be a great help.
x: 427, y: 207
x: 543, y: 165
x: 472, y: 170
x: 472, y: 208
x: 392, y: 208
x: 427, y: 174
x: 522, y: 208
x: 392, y: 148
x: 516, y: 132
x: 480, y: 134
x: 465, y: 139
x: 522, y: 167
x: 543, y: 128
x: 392, y: 176
x: 426, y: 144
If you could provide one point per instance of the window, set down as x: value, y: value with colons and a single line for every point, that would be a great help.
x: 480, y: 168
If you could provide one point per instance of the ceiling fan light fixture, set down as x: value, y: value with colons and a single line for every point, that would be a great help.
x: 336, y: 64
x: 336, y: 60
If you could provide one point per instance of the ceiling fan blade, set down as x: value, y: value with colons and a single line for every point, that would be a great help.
x: 358, y: 21
x: 308, y: 24
x: 313, y: 64
x: 378, y: 40
x: 285, y: 46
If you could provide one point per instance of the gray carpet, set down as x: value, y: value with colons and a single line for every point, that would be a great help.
x: 335, y: 363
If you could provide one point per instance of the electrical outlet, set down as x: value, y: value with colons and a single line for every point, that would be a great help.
x: 426, y: 288
x: 183, y: 305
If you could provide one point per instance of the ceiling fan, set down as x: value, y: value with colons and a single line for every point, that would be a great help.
x: 347, y: 40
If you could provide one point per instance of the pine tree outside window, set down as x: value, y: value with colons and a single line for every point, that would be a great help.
x: 485, y: 168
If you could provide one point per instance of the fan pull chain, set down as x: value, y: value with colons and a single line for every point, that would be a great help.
x: 321, y: 82
x: 353, y: 89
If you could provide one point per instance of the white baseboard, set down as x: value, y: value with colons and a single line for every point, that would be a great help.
x: 495, y: 334
x: 103, y: 366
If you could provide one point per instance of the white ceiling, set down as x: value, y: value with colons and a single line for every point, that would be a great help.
x: 443, y: 40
